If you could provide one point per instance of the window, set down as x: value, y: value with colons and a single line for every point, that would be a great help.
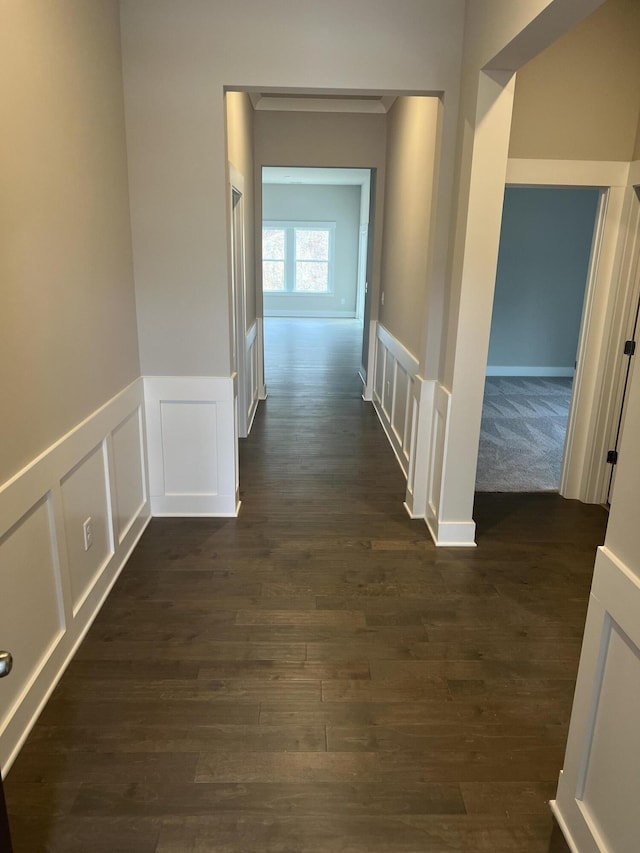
x: 297, y: 257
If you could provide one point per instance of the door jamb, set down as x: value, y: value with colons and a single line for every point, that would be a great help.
x: 238, y: 284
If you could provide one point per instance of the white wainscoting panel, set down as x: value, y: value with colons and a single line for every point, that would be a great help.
x: 129, y: 474
x: 32, y: 595
x: 421, y: 423
x: 458, y: 534
x: 393, y: 392
x: 189, y: 447
x: 597, y: 800
x: 56, y: 586
x: 252, y: 366
x: 85, y: 495
x: 191, y: 437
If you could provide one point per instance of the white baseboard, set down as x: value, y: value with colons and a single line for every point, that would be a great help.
x: 497, y: 370
x: 192, y: 445
x: 98, y: 469
x: 451, y: 534
x: 553, y: 805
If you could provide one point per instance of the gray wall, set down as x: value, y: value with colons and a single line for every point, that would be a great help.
x: 545, y: 247
x: 305, y: 203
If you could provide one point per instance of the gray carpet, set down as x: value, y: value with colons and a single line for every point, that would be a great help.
x: 524, y: 422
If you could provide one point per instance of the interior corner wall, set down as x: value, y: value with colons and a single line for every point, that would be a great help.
x: 412, y: 128
x: 319, y: 203
x: 240, y: 152
x: 543, y: 264
x: 68, y: 324
x: 579, y: 99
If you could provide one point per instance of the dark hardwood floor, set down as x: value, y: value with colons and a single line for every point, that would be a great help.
x: 314, y: 675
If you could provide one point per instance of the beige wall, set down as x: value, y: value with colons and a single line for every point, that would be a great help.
x: 409, y: 187
x: 178, y: 58
x: 67, y: 324
x: 636, y: 149
x: 580, y: 98
x: 240, y: 153
x: 325, y: 140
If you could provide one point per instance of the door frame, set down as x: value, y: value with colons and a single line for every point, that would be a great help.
x: 584, y: 462
x: 238, y: 296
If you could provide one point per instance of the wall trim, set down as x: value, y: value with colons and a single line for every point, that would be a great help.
x: 418, y: 477
x: 252, y: 380
x: 100, y: 464
x: 367, y: 394
x: 600, y: 688
x: 191, y: 436
x: 568, y: 837
x: 568, y: 173
x: 451, y: 534
x: 634, y: 173
x: 395, y: 375
x: 533, y: 370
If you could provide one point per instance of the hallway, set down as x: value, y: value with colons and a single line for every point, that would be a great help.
x: 314, y: 675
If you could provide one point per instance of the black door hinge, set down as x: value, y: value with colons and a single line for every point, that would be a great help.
x: 612, y: 457
x: 629, y: 347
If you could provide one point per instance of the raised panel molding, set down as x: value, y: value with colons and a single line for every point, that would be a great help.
x: 57, y: 588
x: 252, y: 366
x: 396, y: 370
x: 596, y: 803
x: 192, y: 447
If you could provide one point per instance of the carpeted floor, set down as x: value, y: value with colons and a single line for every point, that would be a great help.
x: 524, y: 422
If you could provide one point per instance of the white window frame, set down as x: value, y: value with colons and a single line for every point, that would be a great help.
x: 290, y: 227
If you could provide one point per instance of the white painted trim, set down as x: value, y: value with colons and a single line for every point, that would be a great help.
x: 401, y: 354
x: 580, y: 467
x: 399, y: 370
x: 421, y: 425
x: 452, y: 534
x: 613, y: 604
x: 634, y: 174
x: 114, y: 573
x: 277, y: 312
x: 367, y: 394
x: 496, y: 370
x: 252, y: 374
x: 568, y: 837
x: 238, y: 287
x: 567, y: 173
x: 609, y: 403
x: 41, y: 483
x: 262, y: 388
x: 208, y: 482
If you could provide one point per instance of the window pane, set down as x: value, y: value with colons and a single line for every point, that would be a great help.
x: 273, y: 275
x: 312, y: 277
x: 312, y: 245
x: 273, y: 244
